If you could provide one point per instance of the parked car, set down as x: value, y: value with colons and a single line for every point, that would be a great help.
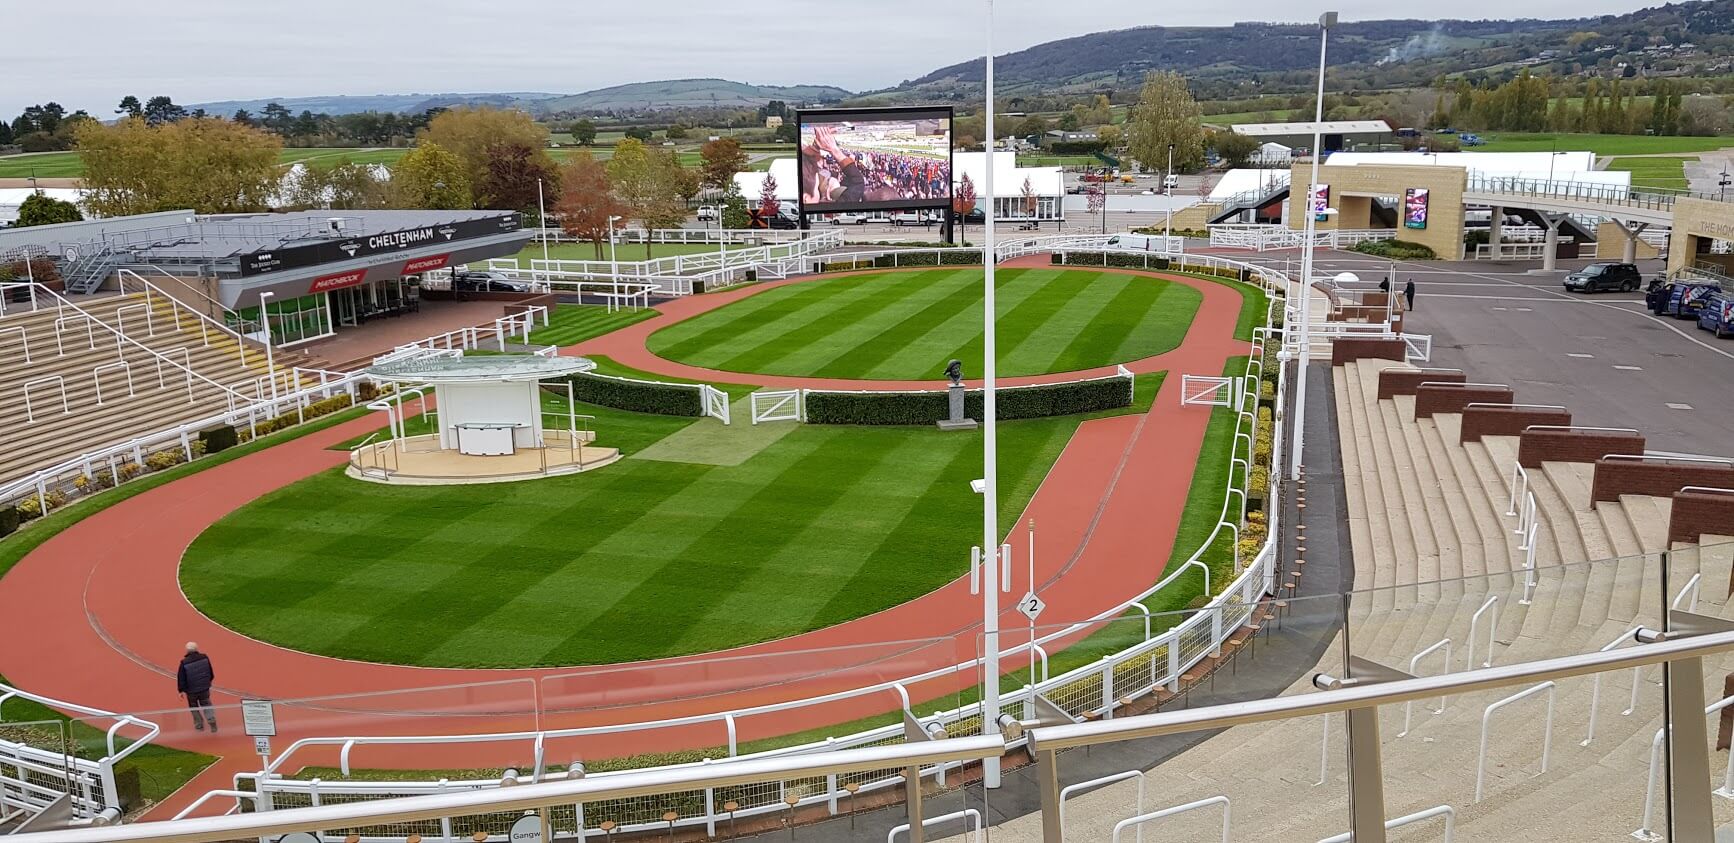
x: 707, y: 212
x: 1605, y: 277
x: 1470, y: 139
x: 848, y: 219
x: 1171, y: 182
x: 783, y: 222
x: 1141, y: 242
x: 1680, y: 299
x: 910, y: 218
x: 1717, y: 314
x: 488, y: 282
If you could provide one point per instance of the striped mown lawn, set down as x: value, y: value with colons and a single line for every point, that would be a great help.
x: 908, y: 325
x: 637, y: 560
x: 571, y: 324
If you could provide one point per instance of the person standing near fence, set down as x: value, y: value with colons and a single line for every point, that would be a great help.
x: 193, y: 680
x: 1409, y: 295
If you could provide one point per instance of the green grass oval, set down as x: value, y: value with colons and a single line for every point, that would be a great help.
x: 906, y: 325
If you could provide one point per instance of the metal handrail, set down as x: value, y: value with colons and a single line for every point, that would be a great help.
x: 1588, y: 429
x: 1068, y: 736
x: 1646, y: 457
x: 1515, y: 406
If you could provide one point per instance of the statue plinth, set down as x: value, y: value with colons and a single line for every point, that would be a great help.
x: 957, y: 421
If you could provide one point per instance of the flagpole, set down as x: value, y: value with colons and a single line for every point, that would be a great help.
x: 990, y: 458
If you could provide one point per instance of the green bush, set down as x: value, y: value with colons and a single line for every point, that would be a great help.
x: 8, y: 520
x: 927, y: 259
x: 664, y: 399
x: 1020, y: 402
x: 218, y: 437
x: 1394, y: 249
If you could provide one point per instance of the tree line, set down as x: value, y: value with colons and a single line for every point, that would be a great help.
x: 1528, y: 103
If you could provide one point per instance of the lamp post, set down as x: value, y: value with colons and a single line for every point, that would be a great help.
x: 613, y: 262
x: 270, y: 359
x: 1168, y: 173
x: 1722, y: 187
x: 1326, y: 21
x: 1552, y: 157
x: 542, y: 223
x: 989, y: 450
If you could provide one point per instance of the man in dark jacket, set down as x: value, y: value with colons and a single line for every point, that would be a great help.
x: 194, y: 680
x: 1409, y: 295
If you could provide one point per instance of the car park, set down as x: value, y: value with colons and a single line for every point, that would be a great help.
x: 1605, y: 277
x: 1717, y: 314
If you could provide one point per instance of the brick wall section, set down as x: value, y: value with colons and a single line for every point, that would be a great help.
x: 1536, y: 446
x: 1697, y: 513
x: 1350, y: 349
x: 1506, y: 421
x: 1394, y: 382
x: 1452, y: 399
x: 1358, y: 313
x: 1661, y: 478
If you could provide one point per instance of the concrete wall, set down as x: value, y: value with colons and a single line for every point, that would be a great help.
x: 1697, y: 220
x: 1611, y: 244
x: 1350, y: 349
x: 1353, y: 187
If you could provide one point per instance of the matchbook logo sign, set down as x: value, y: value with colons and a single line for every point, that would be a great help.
x: 447, y: 231
x: 425, y: 264
x: 350, y: 248
x: 339, y: 280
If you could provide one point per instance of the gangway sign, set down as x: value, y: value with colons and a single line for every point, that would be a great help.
x: 1031, y: 606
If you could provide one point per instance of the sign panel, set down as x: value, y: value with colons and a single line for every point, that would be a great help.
x: 1031, y: 606
x: 262, y: 745
x: 527, y: 829
x: 1415, y: 207
x: 874, y: 159
x: 425, y: 264
x: 258, y: 719
x: 367, y: 245
x: 335, y: 281
x: 1321, y: 202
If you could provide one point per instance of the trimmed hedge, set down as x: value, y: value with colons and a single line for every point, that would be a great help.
x: 663, y: 399
x: 1134, y: 260
x: 8, y: 520
x: 916, y: 258
x: 219, y: 438
x: 1396, y: 249
x: 1018, y: 402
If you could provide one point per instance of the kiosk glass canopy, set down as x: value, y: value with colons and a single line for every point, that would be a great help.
x: 494, y: 368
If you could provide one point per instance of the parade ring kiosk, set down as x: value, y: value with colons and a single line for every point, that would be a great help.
x: 488, y: 419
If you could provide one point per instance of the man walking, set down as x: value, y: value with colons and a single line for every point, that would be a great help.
x: 194, y: 680
x: 1409, y: 295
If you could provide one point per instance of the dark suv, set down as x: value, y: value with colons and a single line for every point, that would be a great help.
x: 1599, y: 277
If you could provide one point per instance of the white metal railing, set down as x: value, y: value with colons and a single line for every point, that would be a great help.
x: 1261, y: 237
x: 1726, y: 791
x: 1138, y: 775
x: 29, y: 411
x: 1490, y: 605
x: 1442, y: 646
x: 1144, y: 819
x: 777, y: 405
x: 1446, y: 811
x: 715, y: 402
x: 1486, y: 717
x: 90, y: 782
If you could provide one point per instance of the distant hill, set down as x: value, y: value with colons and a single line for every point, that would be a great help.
x: 398, y: 103
x: 689, y: 93
x: 1251, y: 58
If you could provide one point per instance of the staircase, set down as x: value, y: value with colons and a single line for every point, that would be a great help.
x: 85, y: 275
x: 1248, y: 200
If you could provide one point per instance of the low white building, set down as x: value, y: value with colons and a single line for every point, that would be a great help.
x: 1566, y: 167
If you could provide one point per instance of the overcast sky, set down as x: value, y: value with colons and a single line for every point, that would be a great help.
x: 89, y: 53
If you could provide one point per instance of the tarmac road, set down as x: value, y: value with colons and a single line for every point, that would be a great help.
x: 1603, y: 356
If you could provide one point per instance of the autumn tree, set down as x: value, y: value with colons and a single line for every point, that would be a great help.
x: 963, y: 203
x: 648, y: 182
x: 769, y: 204
x: 1029, y: 195
x: 586, y: 200
x: 468, y: 132
x: 207, y: 164
x: 1166, y: 114
x: 41, y: 209
x: 431, y: 177
x: 722, y: 159
x: 510, y: 179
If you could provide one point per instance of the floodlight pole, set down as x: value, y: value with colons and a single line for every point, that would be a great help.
x: 270, y: 360
x: 989, y: 452
x: 1326, y: 21
x: 542, y: 224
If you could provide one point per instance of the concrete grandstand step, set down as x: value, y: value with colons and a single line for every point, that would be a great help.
x: 1405, y: 501
x: 1474, y: 546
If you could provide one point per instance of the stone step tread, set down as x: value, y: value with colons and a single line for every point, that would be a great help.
x: 1474, y: 521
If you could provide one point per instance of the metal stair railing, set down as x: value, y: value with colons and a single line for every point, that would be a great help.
x: 206, y: 323
x: 90, y: 271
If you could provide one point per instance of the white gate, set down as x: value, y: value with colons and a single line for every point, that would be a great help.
x: 1419, y: 347
x: 716, y: 401
x: 777, y: 405
x: 1209, y: 391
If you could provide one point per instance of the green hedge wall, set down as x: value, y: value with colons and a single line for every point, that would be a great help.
x: 218, y: 438
x: 665, y: 399
x: 1024, y: 402
x: 1136, y: 261
x: 928, y: 259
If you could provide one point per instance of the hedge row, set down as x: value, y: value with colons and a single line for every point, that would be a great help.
x: 1134, y: 260
x: 1018, y: 402
x: 1395, y: 249
x: 928, y: 259
x: 665, y: 399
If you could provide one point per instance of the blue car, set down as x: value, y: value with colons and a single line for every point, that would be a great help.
x: 1685, y: 301
x: 1717, y: 314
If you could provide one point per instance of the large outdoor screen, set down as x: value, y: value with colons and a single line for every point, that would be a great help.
x: 1415, y: 207
x: 878, y: 158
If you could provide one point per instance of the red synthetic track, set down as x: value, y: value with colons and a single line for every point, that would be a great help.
x: 104, y: 608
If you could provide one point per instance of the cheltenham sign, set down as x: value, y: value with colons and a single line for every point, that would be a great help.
x: 385, y: 243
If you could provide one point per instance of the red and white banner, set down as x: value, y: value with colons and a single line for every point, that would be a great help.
x: 425, y: 264
x: 337, y: 281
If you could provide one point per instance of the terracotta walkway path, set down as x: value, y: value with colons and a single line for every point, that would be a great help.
x: 106, y: 617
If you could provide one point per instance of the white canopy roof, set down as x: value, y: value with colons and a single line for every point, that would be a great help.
x: 1239, y: 181
x: 1573, y: 166
x: 1329, y: 127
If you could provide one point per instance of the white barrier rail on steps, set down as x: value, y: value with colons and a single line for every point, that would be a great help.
x: 1446, y: 811
x: 1144, y: 819
x: 1550, y: 689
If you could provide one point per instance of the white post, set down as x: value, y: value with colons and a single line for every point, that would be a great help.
x: 990, y: 457
x: 542, y: 227
x: 1326, y: 21
x: 270, y: 360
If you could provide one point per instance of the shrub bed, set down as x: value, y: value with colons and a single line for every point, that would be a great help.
x: 664, y: 399
x: 1394, y: 249
x: 927, y: 259
x: 245, y: 433
x: 1018, y: 402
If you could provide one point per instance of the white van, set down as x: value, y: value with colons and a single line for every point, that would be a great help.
x: 1170, y: 182
x: 909, y: 218
x: 1139, y: 242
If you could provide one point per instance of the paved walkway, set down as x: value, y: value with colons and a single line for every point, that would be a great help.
x: 103, y: 601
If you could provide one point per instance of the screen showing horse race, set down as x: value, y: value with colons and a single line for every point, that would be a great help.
x: 871, y: 159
